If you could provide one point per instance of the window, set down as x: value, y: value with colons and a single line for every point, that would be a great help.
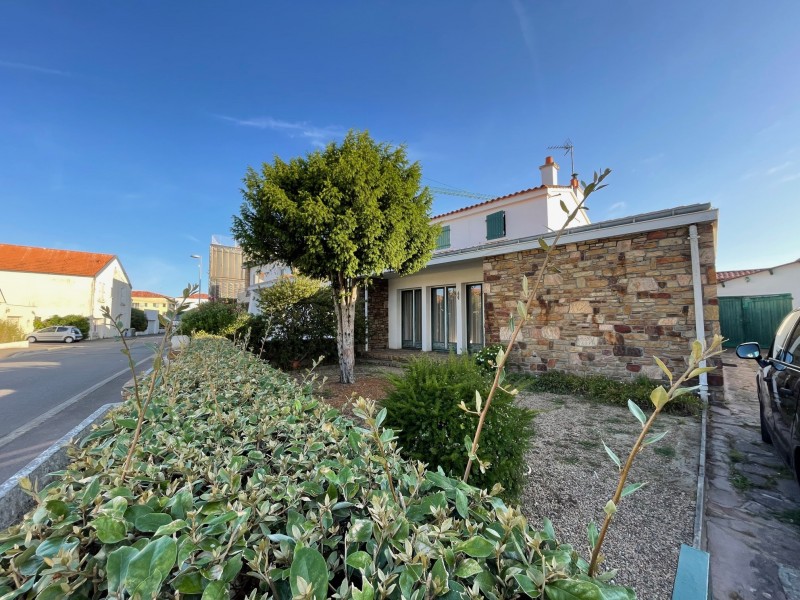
x: 443, y: 241
x: 496, y: 225
x: 474, y: 317
x: 443, y: 317
x: 791, y: 353
x: 411, y: 311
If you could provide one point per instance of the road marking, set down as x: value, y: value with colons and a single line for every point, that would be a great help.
x: 7, y: 439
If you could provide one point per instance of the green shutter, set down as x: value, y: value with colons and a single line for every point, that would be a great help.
x: 443, y: 241
x: 496, y: 225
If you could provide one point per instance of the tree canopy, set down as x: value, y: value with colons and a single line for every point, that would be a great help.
x: 345, y: 214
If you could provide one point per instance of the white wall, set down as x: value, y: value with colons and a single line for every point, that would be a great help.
x: 111, y: 289
x: 527, y: 214
x: 153, y: 323
x: 30, y: 295
x: 426, y: 279
x: 783, y: 280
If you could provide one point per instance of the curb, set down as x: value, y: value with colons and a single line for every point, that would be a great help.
x: 14, y: 502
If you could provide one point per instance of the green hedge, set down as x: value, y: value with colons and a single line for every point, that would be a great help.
x: 243, y: 486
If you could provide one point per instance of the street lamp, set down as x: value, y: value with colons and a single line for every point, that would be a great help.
x: 199, y: 277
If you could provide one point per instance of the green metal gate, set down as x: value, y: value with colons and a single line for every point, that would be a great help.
x: 752, y: 318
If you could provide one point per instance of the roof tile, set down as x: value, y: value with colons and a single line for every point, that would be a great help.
x: 28, y: 259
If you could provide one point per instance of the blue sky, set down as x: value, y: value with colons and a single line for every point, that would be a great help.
x: 126, y: 127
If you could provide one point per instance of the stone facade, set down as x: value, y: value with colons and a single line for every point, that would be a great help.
x: 378, y: 315
x: 609, y: 305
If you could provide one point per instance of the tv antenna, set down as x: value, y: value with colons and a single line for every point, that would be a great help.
x: 568, y: 148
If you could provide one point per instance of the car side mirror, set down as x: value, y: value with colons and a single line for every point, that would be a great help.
x: 751, y: 350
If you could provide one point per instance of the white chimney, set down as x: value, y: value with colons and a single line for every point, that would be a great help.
x: 549, y: 171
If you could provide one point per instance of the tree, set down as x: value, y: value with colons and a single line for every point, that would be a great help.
x: 138, y: 319
x: 344, y: 214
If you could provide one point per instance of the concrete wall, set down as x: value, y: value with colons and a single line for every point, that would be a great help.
x: 615, y: 304
x: 784, y: 279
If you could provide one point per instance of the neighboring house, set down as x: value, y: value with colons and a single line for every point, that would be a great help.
x: 144, y: 300
x: 153, y: 322
x: 625, y: 289
x: 783, y: 279
x: 194, y: 300
x: 753, y: 302
x: 42, y: 282
x: 259, y: 278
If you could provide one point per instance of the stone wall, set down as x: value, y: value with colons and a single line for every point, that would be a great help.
x: 378, y: 315
x: 612, y: 305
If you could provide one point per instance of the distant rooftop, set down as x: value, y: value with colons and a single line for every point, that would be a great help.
x: 29, y: 259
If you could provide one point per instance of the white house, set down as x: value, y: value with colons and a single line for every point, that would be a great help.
x: 259, y: 278
x: 42, y: 282
x: 783, y: 279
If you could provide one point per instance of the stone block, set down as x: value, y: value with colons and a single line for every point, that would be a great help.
x: 587, y: 340
x: 551, y: 332
x: 642, y: 284
x: 580, y: 306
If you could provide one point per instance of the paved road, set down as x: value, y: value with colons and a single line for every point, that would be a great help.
x: 48, y: 389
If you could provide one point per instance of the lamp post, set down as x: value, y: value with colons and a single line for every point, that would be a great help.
x: 199, y: 277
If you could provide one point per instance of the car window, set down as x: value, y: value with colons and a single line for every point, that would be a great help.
x: 61, y: 329
x: 791, y: 353
x: 48, y: 330
x: 785, y: 327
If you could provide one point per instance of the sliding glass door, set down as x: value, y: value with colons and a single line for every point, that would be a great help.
x: 411, y: 308
x: 475, y: 340
x: 444, y: 302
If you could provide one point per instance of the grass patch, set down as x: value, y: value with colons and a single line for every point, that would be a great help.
x: 604, y: 389
x: 740, y: 481
x: 736, y: 456
x: 665, y: 451
x: 791, y: 516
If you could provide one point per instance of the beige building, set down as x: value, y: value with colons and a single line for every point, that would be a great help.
x: 227, y: 274
x: 42, y: 282
x: 144, y: 300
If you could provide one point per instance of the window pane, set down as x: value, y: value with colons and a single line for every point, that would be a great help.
x: 452, y: 304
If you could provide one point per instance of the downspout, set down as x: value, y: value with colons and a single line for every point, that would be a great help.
x: 700, y: 331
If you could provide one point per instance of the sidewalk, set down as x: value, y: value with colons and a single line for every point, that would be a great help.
x: 753, y: 501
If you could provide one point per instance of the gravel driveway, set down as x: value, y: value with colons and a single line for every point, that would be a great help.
x: 571, y: 478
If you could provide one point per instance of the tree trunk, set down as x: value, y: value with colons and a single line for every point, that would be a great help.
x: 345, y: 306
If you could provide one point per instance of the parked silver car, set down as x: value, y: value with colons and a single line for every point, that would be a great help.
x: 57, y: 333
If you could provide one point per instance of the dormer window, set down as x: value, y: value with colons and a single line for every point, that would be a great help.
x: 496, y: 225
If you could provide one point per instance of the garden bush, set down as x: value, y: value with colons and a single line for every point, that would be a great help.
x: 244, y: 486
x: 78, y: 321
x: 604, y: 389
x: 424, y: 410
x: 216, y: 318
x: 138, y: 319
x: 486, y: 358
x: 298, y: 319
x: 10, y: 332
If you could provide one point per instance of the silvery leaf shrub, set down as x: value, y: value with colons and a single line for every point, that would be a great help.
x: 244, y: 486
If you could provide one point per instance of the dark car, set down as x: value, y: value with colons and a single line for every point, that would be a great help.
x: 778, y: 382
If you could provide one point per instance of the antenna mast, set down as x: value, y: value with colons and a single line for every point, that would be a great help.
x: 568, y: 148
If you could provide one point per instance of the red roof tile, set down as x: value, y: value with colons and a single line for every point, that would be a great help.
x: 493, y: 200
x: 27, y: 259
x: 145, y: 294
x: 202, y: 297
x: 726, y: 275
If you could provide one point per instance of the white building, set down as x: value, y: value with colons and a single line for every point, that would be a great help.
x: 783, y: 279
x: 43, y: 282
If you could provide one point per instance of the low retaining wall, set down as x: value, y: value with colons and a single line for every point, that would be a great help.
x: 14, y: 502
x: 5, y: 345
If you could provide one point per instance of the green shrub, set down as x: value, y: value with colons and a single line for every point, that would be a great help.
x: 243, y: 486
x: 486, y: 358
x: 138, y: 319
x: 424, y: 408
x: 212, y: 317
x: 78, y: 321
x: 10, y: 332
x: 298, y: 321
x: 604, y: 389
